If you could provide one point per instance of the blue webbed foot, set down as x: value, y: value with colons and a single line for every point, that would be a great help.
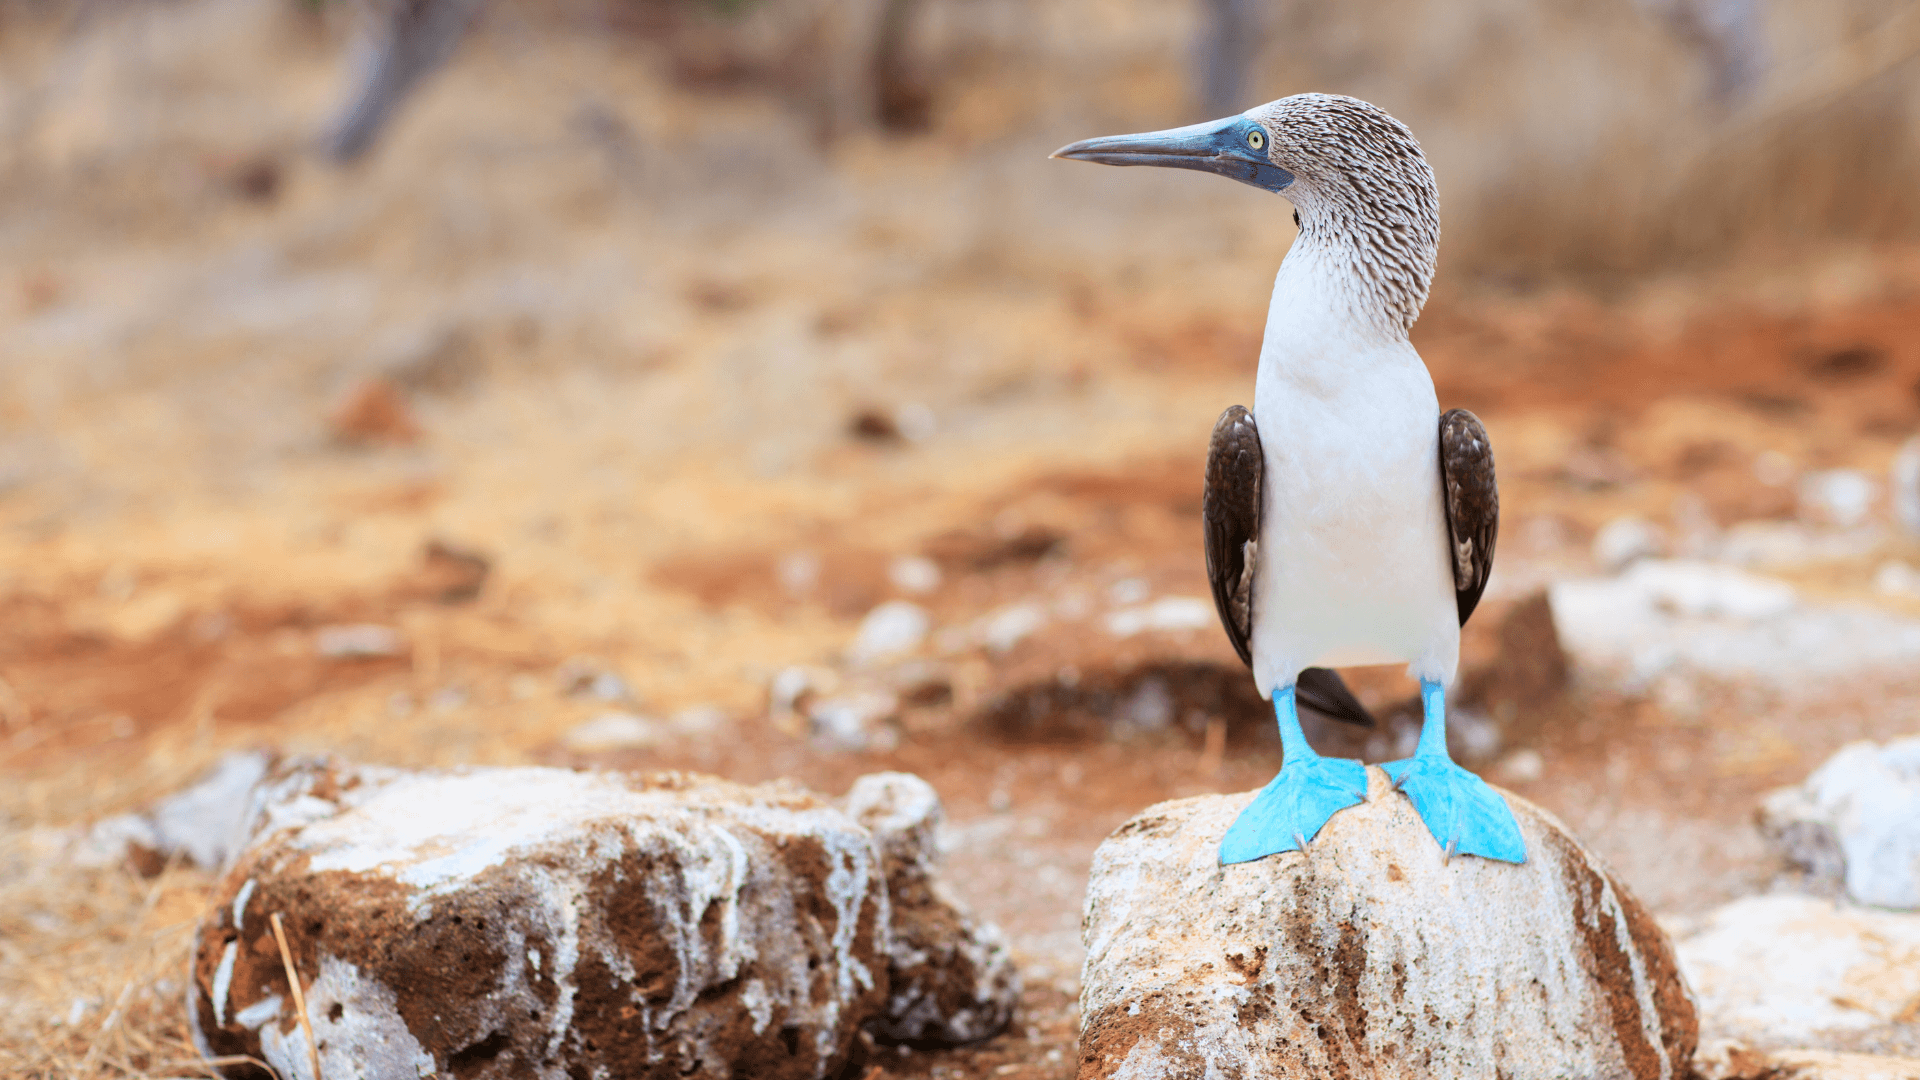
x: 1465, y: 816
x: 1289, y: 811
x: 1293, y: 806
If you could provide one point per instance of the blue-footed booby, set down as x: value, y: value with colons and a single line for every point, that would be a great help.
x: 1346, y: 520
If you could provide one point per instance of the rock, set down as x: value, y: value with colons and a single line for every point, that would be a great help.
x: 1856, y: 819
x: 1798, y: 970
x: 1896, y: 578
x: 359, y: 641
x: 374, y: 412
x: 1714, y: 619
x: 448, y: 574
x: 1369, y: 956
x: 613, y: 731
x: 951, y: 980
x: 915, y: 574
x: 1165, y: 614
x: 1000, y: 630
x: 1625, y: 539
x: 889, y: 630
x: 549, y: 923
x: 203, y: 825
x: 860, y: 719
x: 1903, y: 480
x: 584, y: 677
x: 1842, y: 497
x: 1725, y: 1059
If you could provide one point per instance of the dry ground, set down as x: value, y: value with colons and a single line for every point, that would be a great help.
x: 689, y: 384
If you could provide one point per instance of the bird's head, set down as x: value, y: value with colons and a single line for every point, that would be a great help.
x: 1355, y: 176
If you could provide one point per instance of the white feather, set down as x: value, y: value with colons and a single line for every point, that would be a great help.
x: 1354, y: 559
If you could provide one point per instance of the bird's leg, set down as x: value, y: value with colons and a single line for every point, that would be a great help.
x: 1465, y: 816
x: 1289, y: 811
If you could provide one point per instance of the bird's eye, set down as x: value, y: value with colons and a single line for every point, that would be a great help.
x: 1257, y: 139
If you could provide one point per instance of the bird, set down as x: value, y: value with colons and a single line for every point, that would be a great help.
x: 1346, y: 520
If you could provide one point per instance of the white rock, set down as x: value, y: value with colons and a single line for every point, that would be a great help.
x: 1370, y: 955
x: 1165, y: 614
x: 952, y: 978
x: 1792, y: 970
x: 356, y: 641
x: 1626, y: 539
x: 1662, y: 615
x: 1904, y: 480
x: 1006, y: 627
x: 204, y: 824
x: 1787, y: 544
x: 1842, y: 497
x: 914, y: 574
x: 549, y: 923
x: 1896, y: 578
x: 856, y: 720
x: 613, y: 731
x: 1728, y: 1059
x: 1857, y: 816
x: 889, y: 630
x: 1523, y: 766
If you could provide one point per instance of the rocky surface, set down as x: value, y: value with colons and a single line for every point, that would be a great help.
x: 1856, y: 819
x: 951, y: 979
x: 1370, y: 955
x: 1785, y: 971
x: 1725, y: 1059
x: 1666, y: 614
x: 543, y: 922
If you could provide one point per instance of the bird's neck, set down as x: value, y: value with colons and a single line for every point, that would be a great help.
x: 1333, y: 315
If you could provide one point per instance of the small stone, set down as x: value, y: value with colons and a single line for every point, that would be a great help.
x: 1169, y: 613
x: 1369, y: 955
x: 1523, y: 766
x: 588, y: 679
x: 1856, y: 818
x: 359, y: 641
x: 1624, y: 540
x: 915, y: 574
x: 857, y: 720
x: 1896, y: 578
x: 889, y: 630
x: 1001, y: 630
x: 1842, y: 497
x: 613, y: 731
x: 1904, y: 481
x: 374, y: 412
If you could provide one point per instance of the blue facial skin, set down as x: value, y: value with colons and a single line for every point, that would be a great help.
x: 1235, y: 148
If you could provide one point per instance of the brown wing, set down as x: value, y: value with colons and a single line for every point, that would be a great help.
x: 1230, y: 522
x: 1473, y: 504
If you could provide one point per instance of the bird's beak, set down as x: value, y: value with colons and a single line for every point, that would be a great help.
x: 1218, y: 146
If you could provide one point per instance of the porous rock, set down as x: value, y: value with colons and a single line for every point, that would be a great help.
x: 952, y: 979
x: 1371, y: 955
x: 547, y: 923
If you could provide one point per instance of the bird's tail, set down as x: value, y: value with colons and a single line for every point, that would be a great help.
x: 1323, y: 691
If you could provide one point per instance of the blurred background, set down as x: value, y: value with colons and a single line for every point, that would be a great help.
x: 735, y: 385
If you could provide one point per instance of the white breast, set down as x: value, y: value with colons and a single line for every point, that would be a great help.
x: 1353, y: 565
